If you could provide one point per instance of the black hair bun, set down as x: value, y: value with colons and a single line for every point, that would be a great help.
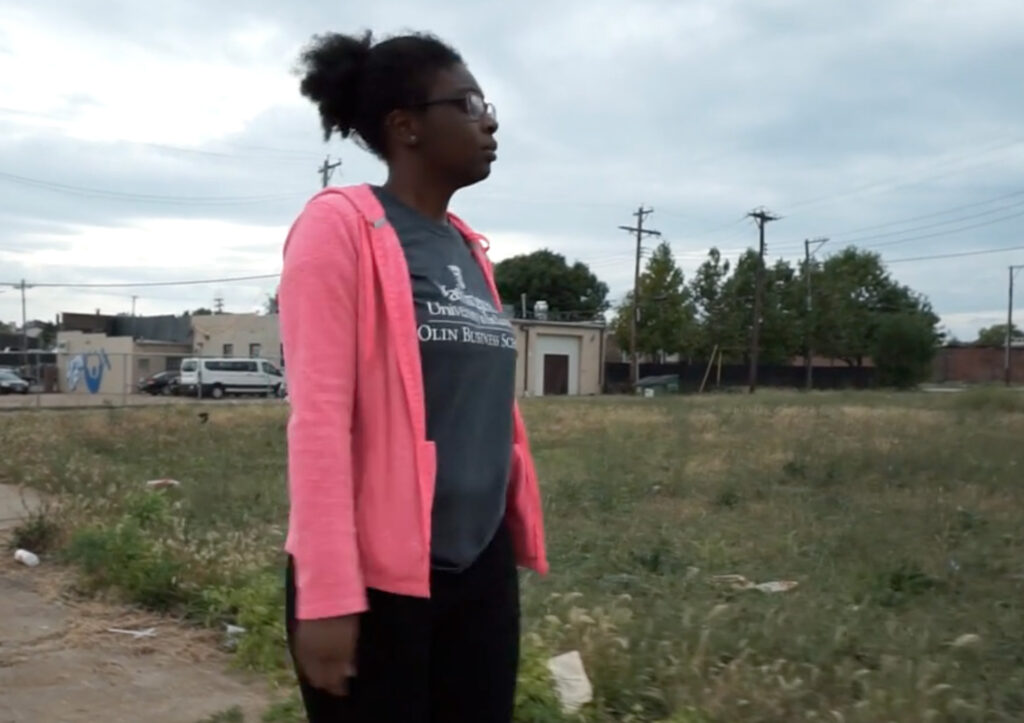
x: 332, y: 68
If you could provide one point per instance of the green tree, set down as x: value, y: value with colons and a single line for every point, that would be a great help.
x: 904, y: 347
x: 270, y: 305
x: 780, y: 313
x: 852, y: 293
x: 667, y: 320
x: 572, y: 292
x: 996, y: 335
x: 712, y: 307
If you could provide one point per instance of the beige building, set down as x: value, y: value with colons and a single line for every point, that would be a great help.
x: 237, y: 335
x: 554, y: 358
x: 94, y: 363
x: 559, y: 358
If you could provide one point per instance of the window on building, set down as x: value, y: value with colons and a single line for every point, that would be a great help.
x: 143, y: 366
x: 255, y: 350
x: 229, y: 350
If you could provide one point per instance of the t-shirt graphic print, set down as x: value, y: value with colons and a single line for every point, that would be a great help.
x: 468, y: 355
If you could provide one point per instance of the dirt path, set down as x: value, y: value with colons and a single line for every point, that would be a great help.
x: 60, y: 663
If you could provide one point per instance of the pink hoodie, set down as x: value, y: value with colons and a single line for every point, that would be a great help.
x: 360, y: 468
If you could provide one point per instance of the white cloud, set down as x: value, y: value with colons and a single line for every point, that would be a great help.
x: 97, y: 91
x: 703, y: 109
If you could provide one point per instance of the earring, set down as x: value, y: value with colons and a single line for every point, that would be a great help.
x: 413, y: 139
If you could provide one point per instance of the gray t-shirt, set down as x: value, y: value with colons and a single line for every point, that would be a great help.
x: 468, y: 352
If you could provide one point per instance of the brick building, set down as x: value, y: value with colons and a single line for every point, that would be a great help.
x: 977, y: 365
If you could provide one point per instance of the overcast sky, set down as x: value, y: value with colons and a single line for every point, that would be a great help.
x: 148, y: 142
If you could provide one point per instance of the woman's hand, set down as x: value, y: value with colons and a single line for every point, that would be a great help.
x: 325, y: 652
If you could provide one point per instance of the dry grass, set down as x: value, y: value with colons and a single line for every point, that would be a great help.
x: 899, y: 515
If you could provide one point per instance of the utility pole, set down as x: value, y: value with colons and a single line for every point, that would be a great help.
x: 762, y: 217
x: 134, y: 299
x: 218, y: 304
x: 809, y: 331
x: 24, y: 327
x: 327, y: 170
x: 1007, y: 364
x: 640, y: 214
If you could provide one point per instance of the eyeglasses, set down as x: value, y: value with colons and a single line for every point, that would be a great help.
x: 472, y: 104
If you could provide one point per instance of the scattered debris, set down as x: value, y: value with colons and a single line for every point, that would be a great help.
x: 160, y: 484
x: 137, y: 634
x: 234, y: 632
x: 29, y: 559
x: 571, y: 683
x: 204, y: 417
x: 968, y: 640
x: 738, y: 582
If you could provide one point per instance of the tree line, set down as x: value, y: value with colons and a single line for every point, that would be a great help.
x: 855, y: 312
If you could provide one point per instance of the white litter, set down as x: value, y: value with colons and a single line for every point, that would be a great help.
x: 234, y: 629
x: 159, y: 484
x: 137, y: 634
x: 29, y: 559
x: 571, y: 682
x: 969, y: 640
x: 738, y: 582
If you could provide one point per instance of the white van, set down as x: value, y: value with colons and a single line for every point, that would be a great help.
x: 216, y: 377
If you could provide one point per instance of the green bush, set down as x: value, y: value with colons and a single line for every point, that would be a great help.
x: 536, y: 701
x: 38, y: 533
x: 257, y: 605
x: 128, y: 556
x: 905, y: 346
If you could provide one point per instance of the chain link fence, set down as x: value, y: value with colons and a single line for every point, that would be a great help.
x: 100, y: 378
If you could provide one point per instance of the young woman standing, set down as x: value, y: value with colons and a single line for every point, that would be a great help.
x: 413, y: 491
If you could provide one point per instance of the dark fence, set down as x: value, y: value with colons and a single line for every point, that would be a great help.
x: 616, y: 375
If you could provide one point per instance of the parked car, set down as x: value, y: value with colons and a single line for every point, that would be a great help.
x: 18, y: 372
x: 216, y: 378
x: 11, y: 383
x: 165, y: 383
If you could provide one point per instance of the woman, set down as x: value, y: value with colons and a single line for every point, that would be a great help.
x: 413, y: 492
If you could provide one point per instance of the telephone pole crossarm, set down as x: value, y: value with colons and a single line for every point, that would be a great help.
x: 640, y: 214
x: 762, y: 217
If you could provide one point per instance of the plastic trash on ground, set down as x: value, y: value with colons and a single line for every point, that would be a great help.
x: 738, y: 582
x: 137, y: 634
x: 160, y: 484
x: 29, y: 559
x: 571, y: 682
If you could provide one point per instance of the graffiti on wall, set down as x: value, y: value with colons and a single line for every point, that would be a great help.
x: 89, y: 367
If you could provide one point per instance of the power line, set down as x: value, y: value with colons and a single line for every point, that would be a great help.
x: 143, y: 197
x: 952, y: 209
x: 144, y: 284
x: 959, y: 255
x: 947, y: 232
x: 885, y: 185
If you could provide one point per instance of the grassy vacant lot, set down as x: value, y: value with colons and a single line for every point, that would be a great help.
x: 899, y: 516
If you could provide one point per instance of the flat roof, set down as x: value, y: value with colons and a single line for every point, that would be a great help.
x: 563, y: 324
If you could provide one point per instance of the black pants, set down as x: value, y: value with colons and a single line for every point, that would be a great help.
x: 450, y: 659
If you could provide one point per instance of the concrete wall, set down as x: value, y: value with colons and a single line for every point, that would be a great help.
x: 94, y: 364
x: 211, y: 333
x: 585, y: 342
x: 977, y: 365
x: 97, y: 364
